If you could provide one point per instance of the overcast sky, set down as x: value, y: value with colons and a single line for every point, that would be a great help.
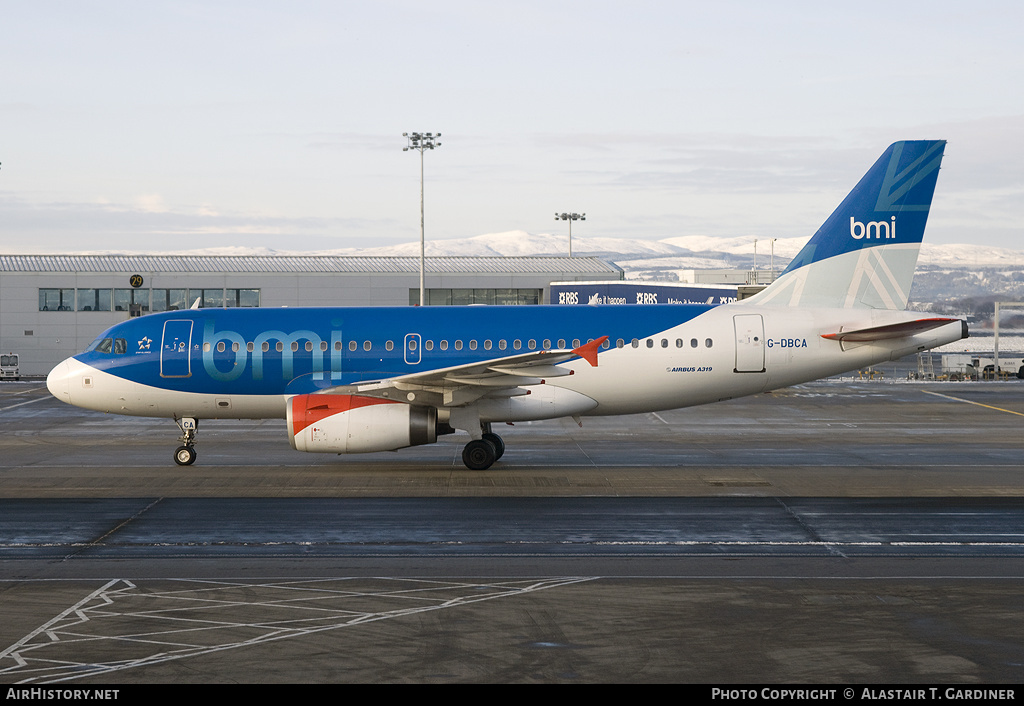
x: 181, y: 125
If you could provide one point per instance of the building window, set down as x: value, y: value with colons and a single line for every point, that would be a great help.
x: 465, y: 297
x: 56, y: 300
x: 94, y: 300
x: 169, y: 299
x: 135, y: 301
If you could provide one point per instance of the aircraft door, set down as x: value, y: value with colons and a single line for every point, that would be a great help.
x: 174, y: 349
x: 413, y: 345
x: 749, y: 343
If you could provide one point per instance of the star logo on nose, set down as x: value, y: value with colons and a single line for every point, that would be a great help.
x: 144, y: 343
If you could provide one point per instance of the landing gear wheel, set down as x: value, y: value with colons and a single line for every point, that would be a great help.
x: 479, y: 455
x: 499, y: 445
x: 184, y: 455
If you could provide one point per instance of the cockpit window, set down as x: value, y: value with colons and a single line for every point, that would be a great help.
x: 104, y: 345
x: 120, y: 346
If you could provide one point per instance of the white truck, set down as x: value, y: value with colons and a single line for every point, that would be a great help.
x: 9, y: 367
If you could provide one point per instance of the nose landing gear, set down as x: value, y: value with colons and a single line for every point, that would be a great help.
x: 185, y: 455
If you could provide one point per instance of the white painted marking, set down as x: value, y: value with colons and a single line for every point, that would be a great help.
x: 207, y: 617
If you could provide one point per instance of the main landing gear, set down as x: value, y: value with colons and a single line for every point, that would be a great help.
x: 185, y: 455
x: 479, y: 454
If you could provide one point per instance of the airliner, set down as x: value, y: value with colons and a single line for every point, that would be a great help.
x: 358, y: 380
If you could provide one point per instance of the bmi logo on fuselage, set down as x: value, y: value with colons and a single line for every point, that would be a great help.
x: 873, y: 229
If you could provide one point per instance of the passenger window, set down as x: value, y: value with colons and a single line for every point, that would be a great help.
x: 295, y: 346
x: 679, y: 343
x: 547, y: 344
x: 487, y: 345
x: 444, y: 345
x: 693, y: 343
x: 250, y: 346
x: 561, y: 343
x: 220, y: 346
x: 206, y: 347
x: 265, y: 346
x: 708, y: 342
x: 650, y: 343
x: 619, y: 343
x: 323, y: 345
x: 352, y: 345
x: 531, y: 344
x: 309, y: 346
x: 429, y: 345
x: 517, y: 344
x: 635, y: 343
x: 664, y: 343
x: 389, y: 346
x: 235, y: 346
x: 366, y: 345
x: 575, y: 343
x: 458, y: 345
x: 280, y: 346
x: 472, y: 345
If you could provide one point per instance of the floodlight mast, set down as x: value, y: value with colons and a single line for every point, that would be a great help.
x: 570, y: 217
x: 421, y: 141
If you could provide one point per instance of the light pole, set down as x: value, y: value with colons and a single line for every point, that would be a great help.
x: 421, y: 141
x: 570, y: 217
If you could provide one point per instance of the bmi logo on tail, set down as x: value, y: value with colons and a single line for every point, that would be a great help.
x: 873, y: 229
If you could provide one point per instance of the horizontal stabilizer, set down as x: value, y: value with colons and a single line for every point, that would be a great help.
x: 881, y: 333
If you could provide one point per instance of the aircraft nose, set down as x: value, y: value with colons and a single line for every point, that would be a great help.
x: 58, y: 382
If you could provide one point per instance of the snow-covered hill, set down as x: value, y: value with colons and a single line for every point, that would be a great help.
x: 945, y: 272
x: 737, y: 251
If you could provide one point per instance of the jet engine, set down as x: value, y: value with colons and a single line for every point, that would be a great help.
x: 341, y: 424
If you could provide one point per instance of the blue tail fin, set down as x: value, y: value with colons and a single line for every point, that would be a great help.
x: 865, y: 253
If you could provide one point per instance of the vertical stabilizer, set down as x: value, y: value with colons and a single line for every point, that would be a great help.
x: 865, y: 253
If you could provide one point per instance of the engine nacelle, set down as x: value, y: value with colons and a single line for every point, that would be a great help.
x: 353, y: 424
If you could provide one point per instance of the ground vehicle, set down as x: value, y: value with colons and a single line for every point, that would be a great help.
x: 9, y: 367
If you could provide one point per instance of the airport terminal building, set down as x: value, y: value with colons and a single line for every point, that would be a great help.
x: 53, y: 306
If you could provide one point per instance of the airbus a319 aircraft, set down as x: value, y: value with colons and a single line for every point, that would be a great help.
x: 354, y: 380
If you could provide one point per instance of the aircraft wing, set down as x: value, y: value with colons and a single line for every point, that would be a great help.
x: 462, y: 384
x: 881, y: 333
